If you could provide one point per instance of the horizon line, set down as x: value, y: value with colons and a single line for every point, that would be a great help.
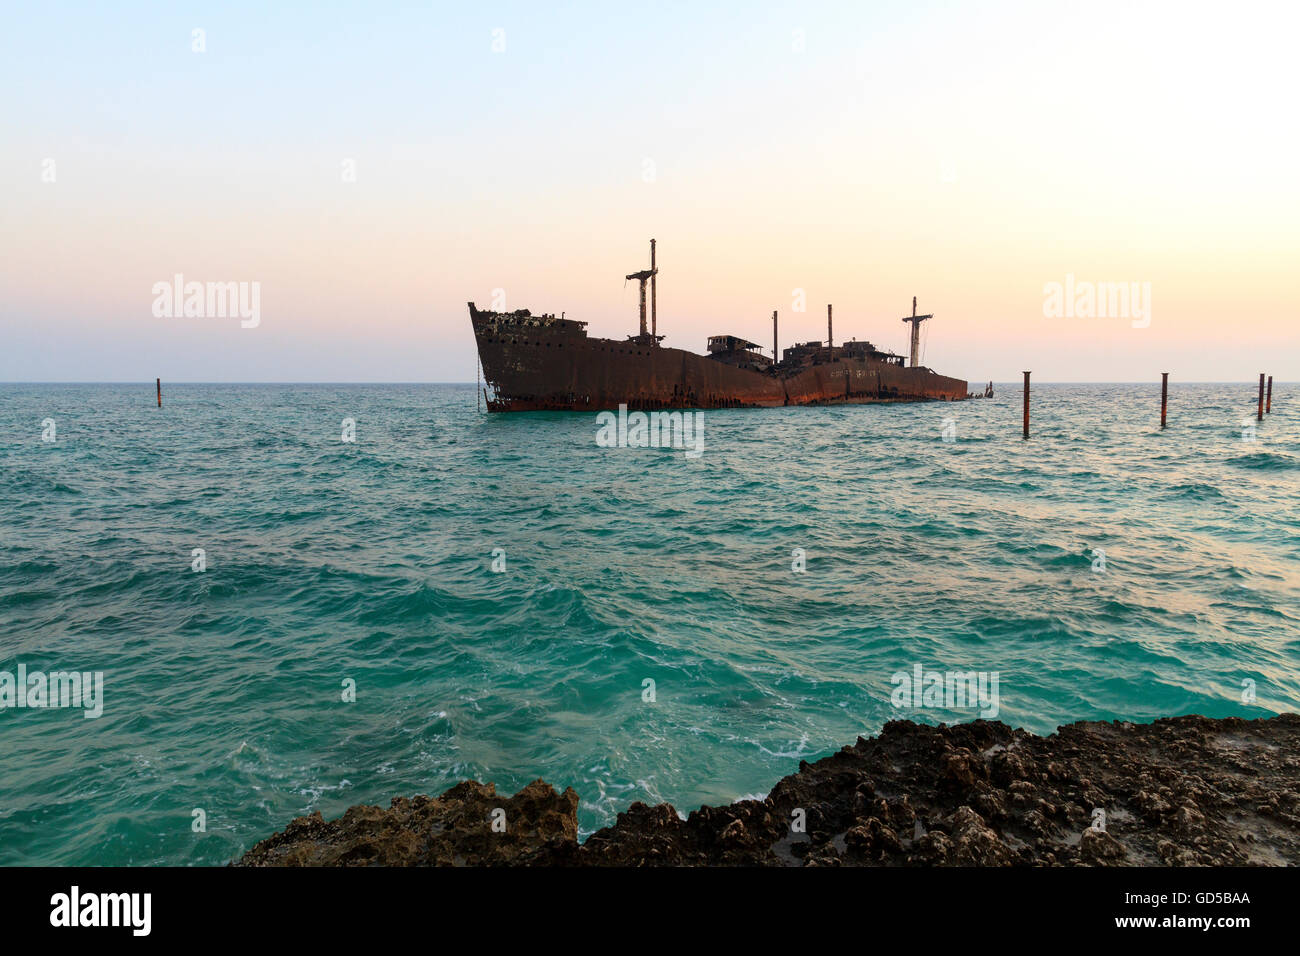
x: 144, y: 382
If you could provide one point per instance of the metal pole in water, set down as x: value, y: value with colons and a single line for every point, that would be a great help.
x: 1260, y: 415
x: 1026, y: 404
x: 1268, y: 401
x: 159, y: 381
x: 1164, y: 398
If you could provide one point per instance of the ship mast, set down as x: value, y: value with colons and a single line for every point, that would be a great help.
x: 916, y: 321
x: 654, y: 318
x: 642, y: 276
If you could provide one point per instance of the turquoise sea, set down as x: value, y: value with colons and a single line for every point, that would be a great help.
x: 372, y: 561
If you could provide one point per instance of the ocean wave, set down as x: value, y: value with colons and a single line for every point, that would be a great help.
x: 768, y: 592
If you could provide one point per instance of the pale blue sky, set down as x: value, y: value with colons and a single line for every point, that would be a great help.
x: 863, y: 152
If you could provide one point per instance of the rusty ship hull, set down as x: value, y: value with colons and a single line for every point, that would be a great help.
x: 534, y: 363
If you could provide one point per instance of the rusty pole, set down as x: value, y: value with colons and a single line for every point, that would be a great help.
x: 1260, y: 416
x: 1268, y: 401
x: 776, y: 356
x: 1026, y: 404
x: 654, y: 315
x: 160, y: 393
x: 916, y: 339
x: 916, y: 321
x: 1164, y: 398
x: 830, y: 337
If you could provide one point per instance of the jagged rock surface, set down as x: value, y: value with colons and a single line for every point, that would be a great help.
x: 540, y: 827
x: 1182, y: 791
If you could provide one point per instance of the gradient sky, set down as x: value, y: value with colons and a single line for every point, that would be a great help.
x: 967, y: 154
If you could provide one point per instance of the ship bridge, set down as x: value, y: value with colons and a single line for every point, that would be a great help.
x: 730, y: 343
x: 733, y: 350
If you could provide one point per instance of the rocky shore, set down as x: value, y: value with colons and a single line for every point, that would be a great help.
x: 1185, y: 791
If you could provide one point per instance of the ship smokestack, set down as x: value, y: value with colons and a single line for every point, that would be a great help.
x: 654, y: 315
x: 776, y: 356
x: 830, y: 338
